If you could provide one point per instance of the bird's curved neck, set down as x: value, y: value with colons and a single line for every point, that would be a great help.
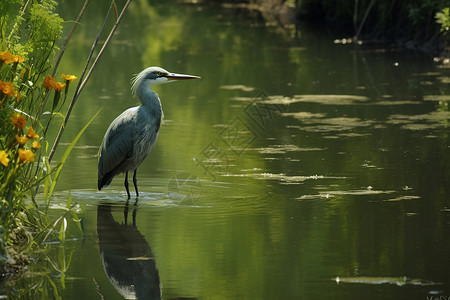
x: 149, y: 99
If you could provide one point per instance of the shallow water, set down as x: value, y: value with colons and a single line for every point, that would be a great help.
x: 295, y: 168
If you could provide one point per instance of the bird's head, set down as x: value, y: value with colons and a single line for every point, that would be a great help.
x: 156, y: 75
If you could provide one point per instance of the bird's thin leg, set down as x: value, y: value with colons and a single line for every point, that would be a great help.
x: 135, y: 183
x: 126, y: 184
x: 125, y: 212
x: 134, y: 215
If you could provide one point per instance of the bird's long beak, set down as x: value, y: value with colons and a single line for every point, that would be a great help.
x: 174, y: 76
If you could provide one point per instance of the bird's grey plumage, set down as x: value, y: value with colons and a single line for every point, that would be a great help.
x: 132, y: 135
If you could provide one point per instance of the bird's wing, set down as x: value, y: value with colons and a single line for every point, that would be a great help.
x: 117, y: 146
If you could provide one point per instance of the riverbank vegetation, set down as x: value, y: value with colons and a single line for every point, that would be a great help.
x: 35, y: 97
x: 32, y: 98
x: 418, y: 23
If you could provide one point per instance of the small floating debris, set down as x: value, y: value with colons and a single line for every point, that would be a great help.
x: 313, y: 197
x: 368, y: 165
x: 399, y: 281
x: 442, y: 60
x: 401, y: 198
x: 282, y: 149
x: 283, y: 178
x: 326, y: 99
x: 238, y: 87
x: 303, y: 115
x: 345, y: 41
x: 368, y: 191
x: 140, y: 258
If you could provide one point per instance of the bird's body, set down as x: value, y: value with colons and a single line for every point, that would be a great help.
x: 132, y: 135
x: 127, y: 142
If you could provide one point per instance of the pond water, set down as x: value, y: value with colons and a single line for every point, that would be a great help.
x: 296, y: 168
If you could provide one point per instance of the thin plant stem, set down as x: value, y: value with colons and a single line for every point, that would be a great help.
x: 75, y: 95
x: 363, y: 21
x: 83, y: 82
x: 69, y: 36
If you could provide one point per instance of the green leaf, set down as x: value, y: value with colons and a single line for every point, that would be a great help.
x: 62, y: 231
x: 48, y: 179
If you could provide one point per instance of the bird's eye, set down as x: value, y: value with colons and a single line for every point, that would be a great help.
x: 160, y: 74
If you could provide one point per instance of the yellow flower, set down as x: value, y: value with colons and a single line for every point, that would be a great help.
x: 22, y: 139
x: 31, y: 134
x: 7, y: 88
x: 4, y: 160
x: 36, y: 145
x: 4, y: 54
x: 58, y: 86
x: 48, y: 82
x: 26, y: 155
x: 18, y: 121
x: 69, y: 78
x: 17, y: 58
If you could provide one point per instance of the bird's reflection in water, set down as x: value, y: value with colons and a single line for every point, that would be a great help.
x: 126, y: 256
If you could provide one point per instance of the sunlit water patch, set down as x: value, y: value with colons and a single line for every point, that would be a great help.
x: 434, y: 119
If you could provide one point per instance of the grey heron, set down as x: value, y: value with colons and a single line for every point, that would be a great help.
x: 132, y: 135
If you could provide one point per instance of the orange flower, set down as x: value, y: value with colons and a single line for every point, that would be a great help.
x: 26, y: 155
x: 69, y: 78
x: 18, y: 121
x: 7, y: 88
x: 31, y: 134
x: 26, y: 73
x: 18, y: 96
x: 6, y: 57
x: 22, y: 139
x: 36, y: 145
x: 58, y: 86
x: 49, y: 82
x: 4, y: 160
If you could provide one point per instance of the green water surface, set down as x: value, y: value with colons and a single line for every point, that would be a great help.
x: 296, y: 168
